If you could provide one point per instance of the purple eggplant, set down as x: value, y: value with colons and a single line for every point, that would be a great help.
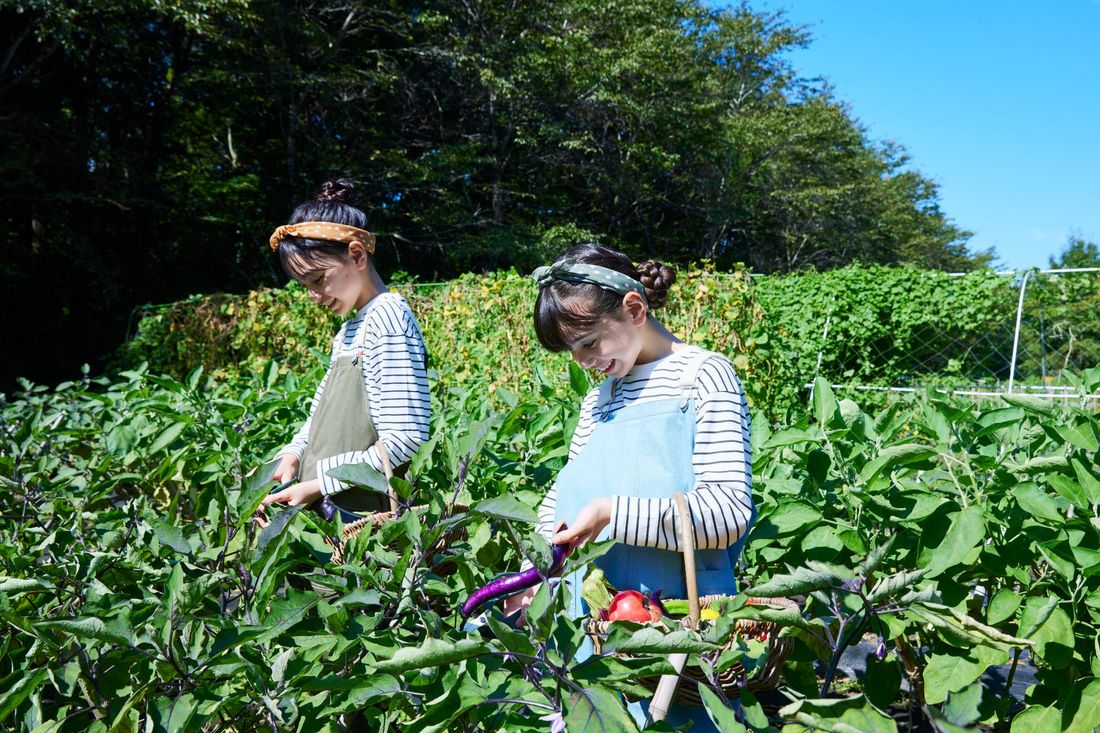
x: 513, y: 583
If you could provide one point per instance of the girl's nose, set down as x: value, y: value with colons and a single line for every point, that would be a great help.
x: 314, y: 295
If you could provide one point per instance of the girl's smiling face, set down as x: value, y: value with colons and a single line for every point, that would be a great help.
x: 611, y: 347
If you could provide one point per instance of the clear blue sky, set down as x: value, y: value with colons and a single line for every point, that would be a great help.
x: 997, y: 102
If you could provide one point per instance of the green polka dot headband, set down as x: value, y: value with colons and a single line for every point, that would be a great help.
x: 578, y: 272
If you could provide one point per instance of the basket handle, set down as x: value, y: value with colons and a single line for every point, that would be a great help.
x: 388, y: 470
x: 687, y: 546
x: 666, y: 686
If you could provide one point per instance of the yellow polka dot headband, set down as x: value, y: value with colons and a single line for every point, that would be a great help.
x: 323, y: 230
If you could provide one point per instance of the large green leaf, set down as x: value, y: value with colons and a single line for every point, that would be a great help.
x: 112, y: 632
x: 967, y: 531
x: 506, y: 507
x: 13, y: 697
x: 1036, y: 719
x: 848, y: 715
x: 720, y: 713
x: 432, y: 653
x: 895, y: 455
x: 362, y: 475
x: 800, y: 581
x: 1082, y: 713
x: 952, y: 670
x: 1037, y: 502
x: 629, y: 638
x: 596, y: 710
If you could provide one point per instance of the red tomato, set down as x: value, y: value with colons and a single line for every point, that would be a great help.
x: 630, y: 605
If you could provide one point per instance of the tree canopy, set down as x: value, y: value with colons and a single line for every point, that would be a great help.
x: 152, y: 145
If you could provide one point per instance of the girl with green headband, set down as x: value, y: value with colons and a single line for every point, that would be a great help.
x: 668, y: 418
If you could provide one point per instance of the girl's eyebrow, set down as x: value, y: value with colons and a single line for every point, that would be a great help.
x: 580, y: 339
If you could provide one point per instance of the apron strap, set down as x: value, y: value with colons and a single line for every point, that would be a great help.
x: 606, y: 395
x: 691, y: 374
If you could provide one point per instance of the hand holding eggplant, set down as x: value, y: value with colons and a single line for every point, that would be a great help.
x: 513, y: 583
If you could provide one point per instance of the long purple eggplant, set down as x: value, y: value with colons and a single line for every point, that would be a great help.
x: 513, y: 583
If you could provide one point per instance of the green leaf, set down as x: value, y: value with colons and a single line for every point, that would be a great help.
x: 720, y: 713
x: 597, y: 710
x: 967, y: 531
x: 112, y: 632
x: 1002, y: 606
x: 1037, y: 502
x: 578, y: 380
x: 896, y: 455
x: 170, y: 535
x: 275, y: 528
x: 371, y: 686
x: 792, y: 436
x: 1082, y: 713
x: 1087, y: 479
x: 20, y: 691
x: 892, y: 585
x: 848, y: 715
x: 167, y: 437
x: 15, y: 586
x: 1070, y: 490
x: 950, y: 670
x: 1037, y: 719
x: 1079, y: 434
x: 801, y: 581
x: 362, y: 475
x: 1034, y: 405
x: 787, y: 518
x: 875, y: 557
x: 260, y: 477
x: 1053, y: 640
x: 825, y: 407
x: 432, y: 653
x: 626, y: 637
x: 506, y: 507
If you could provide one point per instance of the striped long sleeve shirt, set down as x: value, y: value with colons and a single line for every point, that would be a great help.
x: 396, y: 379
x: 721, y: 500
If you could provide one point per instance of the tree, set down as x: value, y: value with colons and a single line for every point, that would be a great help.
x: 1077, y: 253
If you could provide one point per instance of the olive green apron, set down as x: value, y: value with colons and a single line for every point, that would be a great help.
x: 342, y: 423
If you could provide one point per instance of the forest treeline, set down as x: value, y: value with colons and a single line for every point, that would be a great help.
x: 150, y: 146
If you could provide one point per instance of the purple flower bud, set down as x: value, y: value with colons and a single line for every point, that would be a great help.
x: 853, y: 585
x: 880, y: 650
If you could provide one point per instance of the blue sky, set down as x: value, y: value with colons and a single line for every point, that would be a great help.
x: 997, y: 102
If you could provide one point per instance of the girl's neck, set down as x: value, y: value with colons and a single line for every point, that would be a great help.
x: 657, y: 342
x: 373, y: 286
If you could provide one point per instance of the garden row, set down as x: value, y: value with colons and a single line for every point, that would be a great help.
x: 136, y: 593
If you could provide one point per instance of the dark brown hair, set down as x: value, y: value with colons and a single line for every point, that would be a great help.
x: 564, y: 310
x: 334, y: 203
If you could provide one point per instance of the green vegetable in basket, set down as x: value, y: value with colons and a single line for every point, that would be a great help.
x: 596, y: 591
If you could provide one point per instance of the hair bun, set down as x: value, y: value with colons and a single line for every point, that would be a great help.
x: 339, y: 191
x: 657, y: 278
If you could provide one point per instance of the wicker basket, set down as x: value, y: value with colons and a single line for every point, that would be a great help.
x: 684, y: 686
x: 376, y: 519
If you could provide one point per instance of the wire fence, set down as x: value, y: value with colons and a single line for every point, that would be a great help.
x: 1037, y: 348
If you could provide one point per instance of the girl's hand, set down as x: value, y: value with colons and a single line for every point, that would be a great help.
x: 287, y: 470
x: 591, y: 520
x: 305, y: 492
x: 519, y: 602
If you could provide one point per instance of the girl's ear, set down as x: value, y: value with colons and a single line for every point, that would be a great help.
x: 357, y: 254
x: 635, y: 308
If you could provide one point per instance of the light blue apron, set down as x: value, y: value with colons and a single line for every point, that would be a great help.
x: 644, y: 450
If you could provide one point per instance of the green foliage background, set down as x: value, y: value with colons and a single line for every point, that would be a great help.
x: 152, y: 146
